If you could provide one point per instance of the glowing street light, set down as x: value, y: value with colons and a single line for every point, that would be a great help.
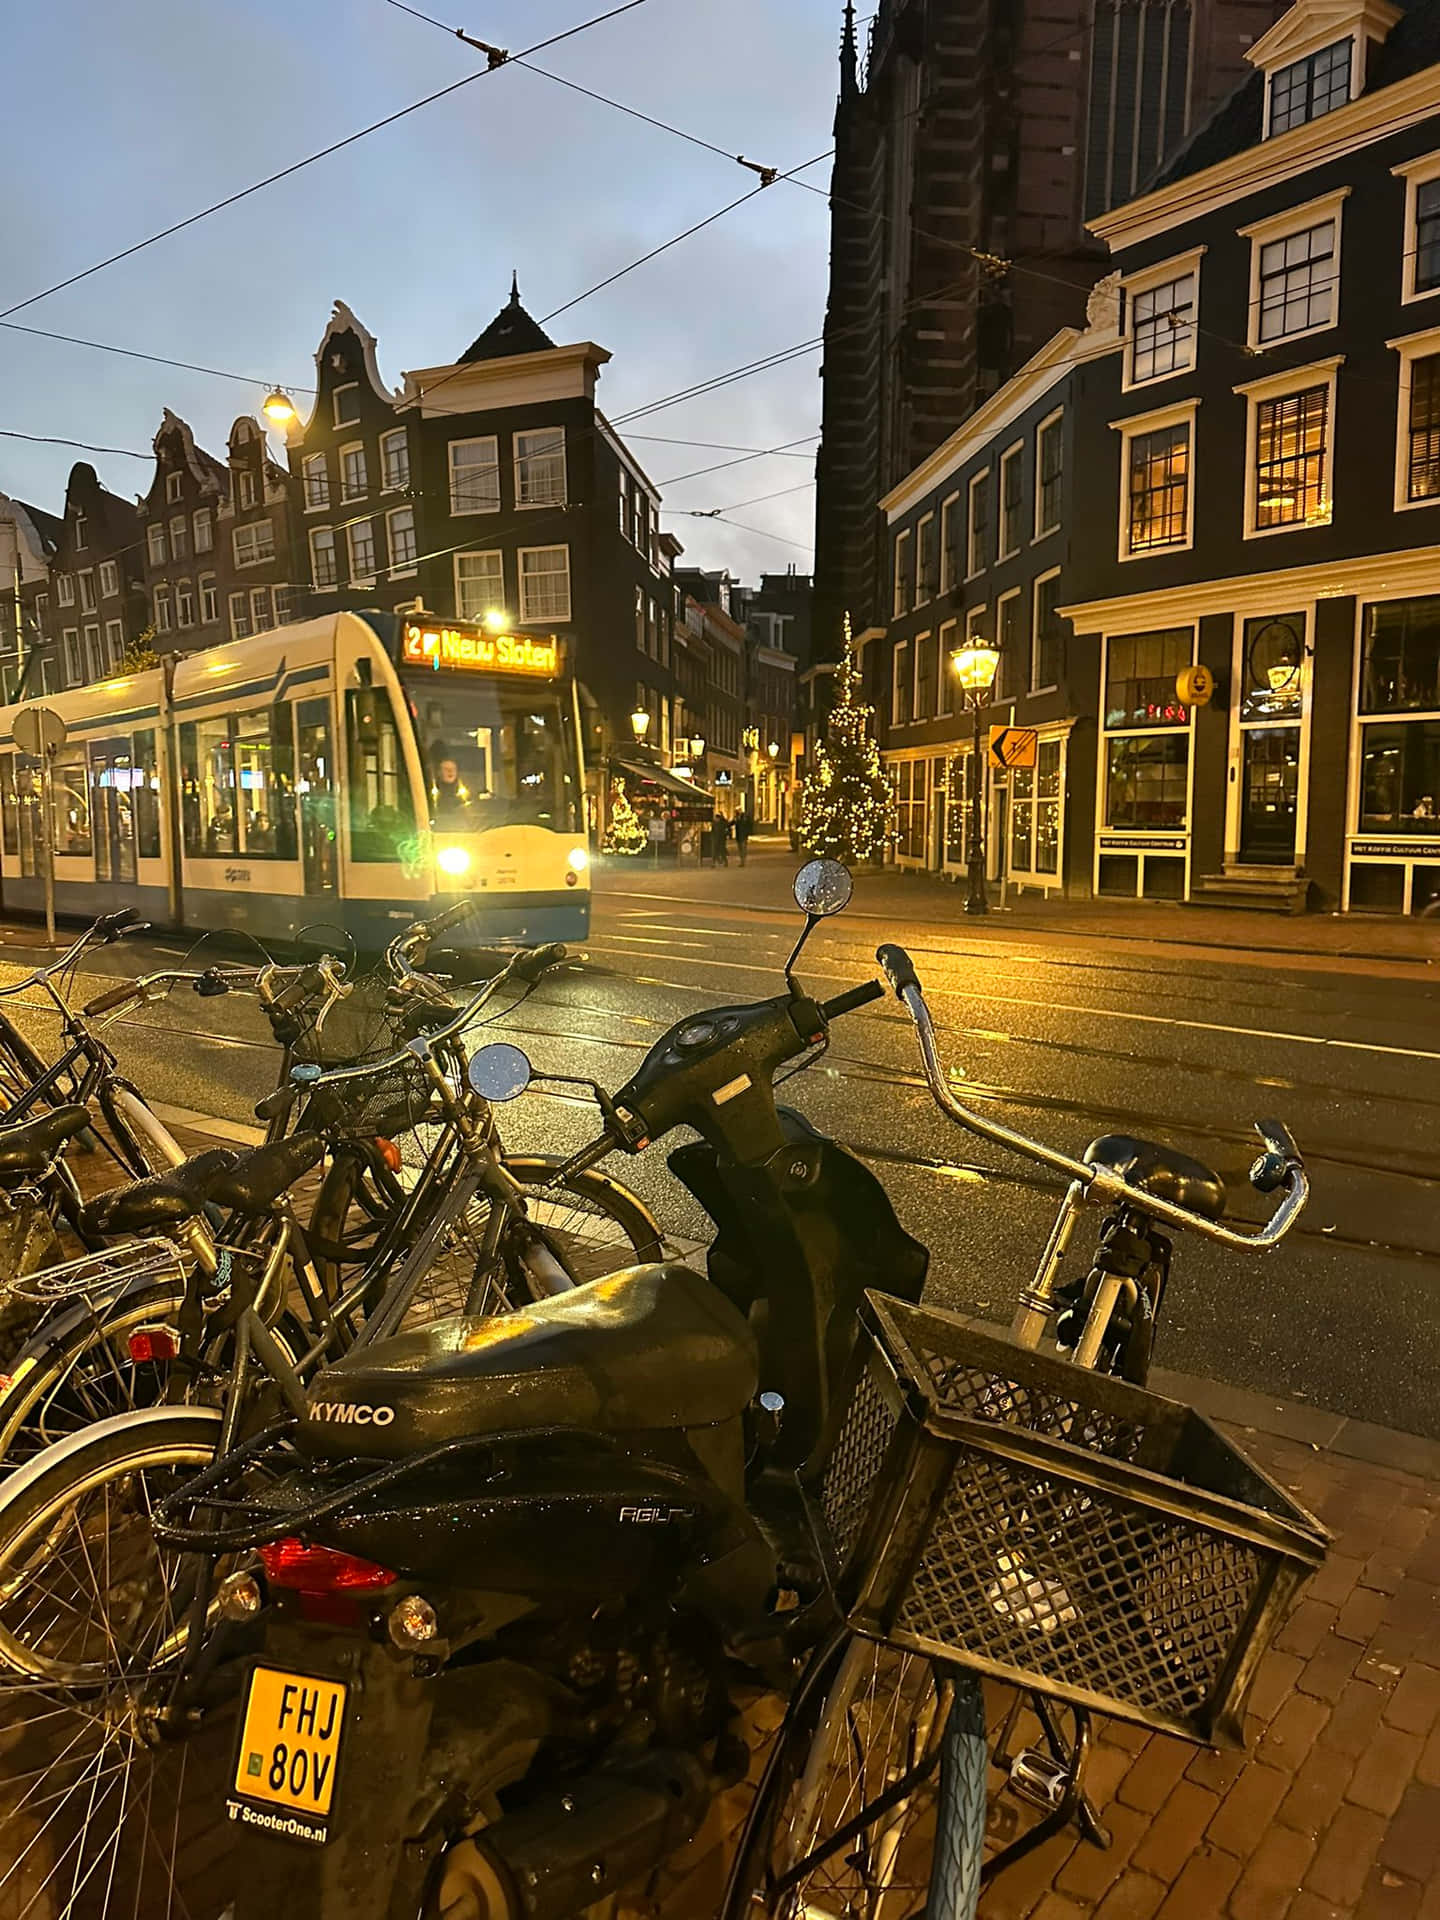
x: 976, y: 664
x: 279, y: 409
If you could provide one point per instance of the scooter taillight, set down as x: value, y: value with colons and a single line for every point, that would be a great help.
x: 321, y: 1570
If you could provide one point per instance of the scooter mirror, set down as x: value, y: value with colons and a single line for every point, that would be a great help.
x: 499, y: 1072
x: 823, y: 887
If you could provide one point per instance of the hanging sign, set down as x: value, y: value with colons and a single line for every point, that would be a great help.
x: 1195, y: 686
x: 476, y: 650
x: 1012, y: 747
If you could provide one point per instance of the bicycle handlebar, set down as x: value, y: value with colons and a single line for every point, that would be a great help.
x: 1098, y: 1182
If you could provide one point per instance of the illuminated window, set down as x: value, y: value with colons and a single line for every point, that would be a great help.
x: 475, y: 475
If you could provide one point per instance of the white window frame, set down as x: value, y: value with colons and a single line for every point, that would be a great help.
x: 80, y: 530
x: 179, y: 537
x: 65, y: 589
x: 405, y: 568
x: 246, y: 489
x: 341, y: 455
x: 202, y: 516
x: 1183, y: 413
x: 901, y: 669
x: 89, y: 598
x: 1280, y: 226
x: 115, y: 641
x: 1356, y: 38
x: 361, y: 576
x: 157, y: 544
x: 525, y: 433
x: 387, y: 485
x: 1002, y: 600
x: 948, y: 508
x: 490, y: 440
x: 174, y: 486
x: 479, y: 553
x: 184, y: 598
x: 324, y: 586
x: 164, y: 617
x: 1054, y: 419
x: 1033, y: 685
x: 261, y: 610
x: 1275, y: 387
x: 240, y: 604
x: 977, y: 481
x: 94, y: 651
x: 109, y: 579
x: 924, y: 596
x: 1015, y: 452
x: 1415, y: 173
x: 898, y: 605
x: 252, y: 530
x: 543, y: 619
x: 337, y: 393
x: 313, y: 466
x: 1410, y: 348
x: 74, y: 659
x: 916, y: 642
x: 1175, y: 268
x: 209, y: 599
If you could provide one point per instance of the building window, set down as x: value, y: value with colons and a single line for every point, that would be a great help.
x: 540, y: 468
x: 1157, y: 488
x: 1140, y: 674
x: 1400, y: 676
x: 284, y: 601
x: 253, y: 544
x: 259, y: 608
x: 346, y: 402
x: 951, y: 566
x: 178, y: 531
x: 1417, y: 481
x: 87, y: 592
x: 204, y: 530
x: 544, y: 583
x: 395, y: 460
x: 94, y: 662
x: 173, y: 484
x: 1048, y: 471
x: 927, y: 676
x: 1010, y: 675
x: 155, y: 549
x: 400, y: 525
x: 1309, y: 88
x: 1047, y: 643
x: 42, y: 610
x: 362, y: 552
x: 904, y: 572
x: 1011, y: 478
x: 902, y: 690
x: 74, y: 666
x: 927, y: 547
x: 162, y: 610
x: 978, y: 548
x: 65, y: 589
x: 109, y: 579
x: 246, y: 481
x: 239, y: 616
x: 354, y: 480
x: 475, y: 475
x: 479, y: 584
x: 1162, y: 329
x: 114, y: 644
x: 1425, y: 238
x: 316, y: 473
x: 80, y: 535
x: 1295, y: 272
x: 1147, y: 777
x: 209, y: 602
x: 322, y: 556
x: 184, y: 604
x: 1400, y: 659
x: 1290, y: 437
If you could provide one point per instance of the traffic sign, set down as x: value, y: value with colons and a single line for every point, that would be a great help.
x: 1012, y: 747
x: 38, y: 730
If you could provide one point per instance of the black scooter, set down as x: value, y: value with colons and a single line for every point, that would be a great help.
x: 518, y: 1571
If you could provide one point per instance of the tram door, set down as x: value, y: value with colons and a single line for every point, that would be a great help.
x: 315, y: 765
x: 112, y: 809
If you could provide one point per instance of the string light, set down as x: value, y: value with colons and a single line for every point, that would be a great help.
x: 848, y: 804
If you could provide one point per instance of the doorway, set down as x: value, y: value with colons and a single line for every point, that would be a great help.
x: 1269, y: 795
x: 315, y: 767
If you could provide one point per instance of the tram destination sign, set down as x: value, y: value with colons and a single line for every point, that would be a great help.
x: 464, y: 649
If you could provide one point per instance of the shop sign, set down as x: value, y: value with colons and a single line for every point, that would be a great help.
x: 1129, y: 843
x: 1195, y: 686
x: 468, y: 649
x: 1391, y: 850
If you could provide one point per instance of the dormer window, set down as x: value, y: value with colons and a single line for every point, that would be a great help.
x: 1308, y: 88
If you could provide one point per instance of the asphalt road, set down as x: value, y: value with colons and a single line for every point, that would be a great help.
x: 1063, y: 1040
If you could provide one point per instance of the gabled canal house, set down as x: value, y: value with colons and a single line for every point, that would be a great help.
x: 1248, y: 483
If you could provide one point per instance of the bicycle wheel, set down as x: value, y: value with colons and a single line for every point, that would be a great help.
x: 872, y: 1804
x: 103, y: 1795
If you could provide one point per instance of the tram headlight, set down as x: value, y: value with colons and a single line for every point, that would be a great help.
x: 579, y: 859
x: 453, y: 861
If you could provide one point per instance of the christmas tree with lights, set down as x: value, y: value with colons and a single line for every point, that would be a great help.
x: 624, y: 833
x: 848, y: 804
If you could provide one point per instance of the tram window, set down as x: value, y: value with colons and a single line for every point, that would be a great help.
x: 381, y: 813
x: 147, y: 796
x: 9, y: 805
x: 70, y: 801
x: 495, y: 756
x: 265, y: 781
x: 207, y: 786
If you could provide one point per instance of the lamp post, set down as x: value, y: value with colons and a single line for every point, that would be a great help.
x: 640, y: 725
x: 975, y: 667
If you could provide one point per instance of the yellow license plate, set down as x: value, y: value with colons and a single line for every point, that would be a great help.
x: 289, y: 1751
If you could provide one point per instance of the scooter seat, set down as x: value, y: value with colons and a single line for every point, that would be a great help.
x: 649, y: 1349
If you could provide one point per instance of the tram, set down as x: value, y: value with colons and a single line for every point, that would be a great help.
x: 356, y: 770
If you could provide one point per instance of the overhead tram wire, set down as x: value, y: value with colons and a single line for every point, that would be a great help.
x: 336, y: 146
x: 750, y: 453
x: 156, y: 359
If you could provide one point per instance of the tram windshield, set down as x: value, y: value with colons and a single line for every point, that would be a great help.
x: 496, y: 754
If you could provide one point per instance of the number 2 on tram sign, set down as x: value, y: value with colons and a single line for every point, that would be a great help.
x: 1012, y: 747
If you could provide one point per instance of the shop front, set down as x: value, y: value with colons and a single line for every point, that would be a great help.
x: 672, y: 812
x: 1145, y: 774
x: 1393, y: 843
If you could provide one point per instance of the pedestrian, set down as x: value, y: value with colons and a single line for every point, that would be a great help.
x: 742, y: 835
x: 719, y: 835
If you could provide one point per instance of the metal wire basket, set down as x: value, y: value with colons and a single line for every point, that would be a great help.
x: 1053, y: 1527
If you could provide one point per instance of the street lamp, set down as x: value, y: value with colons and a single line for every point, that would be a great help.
x: 976, y: 664
x: 639, y: 724
x: 279, y: 409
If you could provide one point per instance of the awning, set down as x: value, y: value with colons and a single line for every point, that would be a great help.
x: 664, y: 779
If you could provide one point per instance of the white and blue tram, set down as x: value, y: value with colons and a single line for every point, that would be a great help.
x: 356, y: 770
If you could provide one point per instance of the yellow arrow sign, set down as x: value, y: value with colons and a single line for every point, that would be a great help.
x: 1012, y: 747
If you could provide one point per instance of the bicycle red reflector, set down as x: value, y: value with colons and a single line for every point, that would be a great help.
x: 390, y: 1154
x: 290, y: 1563
x: 152, y: 1343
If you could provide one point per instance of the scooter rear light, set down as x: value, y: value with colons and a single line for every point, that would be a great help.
x: 290, y: 1563
x: 152, y: 1343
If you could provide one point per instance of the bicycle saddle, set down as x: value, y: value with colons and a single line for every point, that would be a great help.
x: 240, y: 1182
x: 32, y: 1144
x: 649, y: 1349
x: 1162, y: 1171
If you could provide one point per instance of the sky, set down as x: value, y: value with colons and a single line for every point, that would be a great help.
x: 123, y: 116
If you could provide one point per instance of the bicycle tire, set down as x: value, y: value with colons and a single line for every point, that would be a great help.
x: 959, y: 1852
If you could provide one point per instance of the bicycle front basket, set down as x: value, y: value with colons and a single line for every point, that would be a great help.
x: 1053, y: 1527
